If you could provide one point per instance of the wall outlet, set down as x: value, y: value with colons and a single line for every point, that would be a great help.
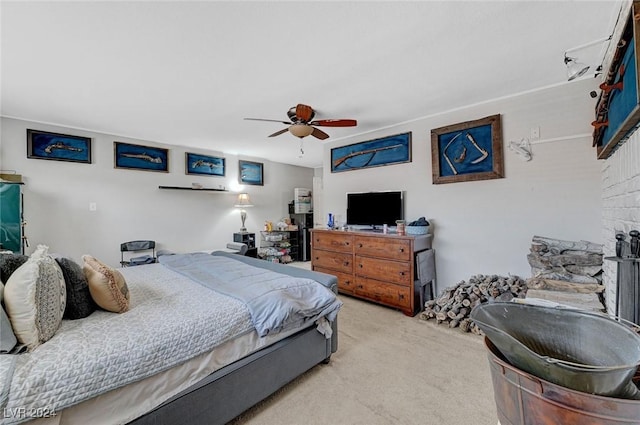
x: 535, y: 133
x: 93, y: 206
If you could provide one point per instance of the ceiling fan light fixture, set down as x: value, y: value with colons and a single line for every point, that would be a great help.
x: 301, y: 130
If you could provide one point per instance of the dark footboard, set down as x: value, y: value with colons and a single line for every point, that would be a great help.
x: 233, y: 389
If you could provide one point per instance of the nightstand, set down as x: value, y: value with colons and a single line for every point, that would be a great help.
x: 246, y: 238
x: 250, y: 240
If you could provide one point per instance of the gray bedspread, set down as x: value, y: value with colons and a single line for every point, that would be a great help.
x: 276, y: 302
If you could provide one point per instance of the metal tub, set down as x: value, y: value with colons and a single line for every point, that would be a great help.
x: 584, y: 351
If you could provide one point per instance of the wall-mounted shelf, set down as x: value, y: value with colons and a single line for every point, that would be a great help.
x: 202, y: 189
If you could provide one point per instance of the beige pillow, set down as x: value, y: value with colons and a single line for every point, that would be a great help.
x: 35, y: 298
x: 106, y: 285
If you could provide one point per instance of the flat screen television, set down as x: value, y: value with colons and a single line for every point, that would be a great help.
x: 375, y: 209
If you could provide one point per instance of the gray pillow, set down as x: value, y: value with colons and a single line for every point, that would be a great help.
x: 7, y: 337
x: 79, y: 301
x: 9, y: 263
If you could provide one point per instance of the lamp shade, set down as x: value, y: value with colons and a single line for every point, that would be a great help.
x: 243, y: 201
x: 575, y: 69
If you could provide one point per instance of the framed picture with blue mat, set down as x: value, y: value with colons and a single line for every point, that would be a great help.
x: 387, y: 150
x: 58, y: 147
x: 467, y: 151
x: 204, y: 165
x: 138, y: 157
x: 617, y: 111
x: 250, y: 172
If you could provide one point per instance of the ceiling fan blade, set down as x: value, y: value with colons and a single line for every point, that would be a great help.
x: 277, y: 133
x: 262, y: 119
x: 319, y: 134
x: 335, y: 123
x: 304, y: 112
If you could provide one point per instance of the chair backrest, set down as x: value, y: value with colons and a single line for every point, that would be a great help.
x: 133, y: 246
x: 137, y: 245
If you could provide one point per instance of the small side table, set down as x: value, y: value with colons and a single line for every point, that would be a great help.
x: 250, y: 240
x: 246, y: 238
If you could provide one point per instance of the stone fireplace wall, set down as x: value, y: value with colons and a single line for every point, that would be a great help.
x: 620, y: 204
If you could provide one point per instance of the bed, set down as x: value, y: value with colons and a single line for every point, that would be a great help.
x: 238, y: 364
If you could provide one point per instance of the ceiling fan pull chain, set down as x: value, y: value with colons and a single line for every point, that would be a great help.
x: 301, y: 148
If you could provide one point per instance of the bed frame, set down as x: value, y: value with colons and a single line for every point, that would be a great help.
x: 231, y: 390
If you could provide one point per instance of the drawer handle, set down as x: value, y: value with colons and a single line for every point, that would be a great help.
x: 401, y: 273
x: 346, y: 243
x: 346, y: 263
x: 359, y: 245
x: 401, y: 249
x: 317, y: 258
x: 360, y: 265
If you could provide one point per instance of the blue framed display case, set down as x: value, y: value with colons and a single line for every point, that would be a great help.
x: 11, y: 217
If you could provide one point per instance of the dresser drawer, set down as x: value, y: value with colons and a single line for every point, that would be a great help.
x: 389, y: 271
x: 345, y: 281
x: 337, y: 261
x: 381, y: 247
x: 393, y: 295
x: 333, y: 241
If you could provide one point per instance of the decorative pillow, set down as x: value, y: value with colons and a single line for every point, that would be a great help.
x: 35, y: 298
x: 79, y: 301
x: 9, y: 263
x: 7, y: 337
x: 106, y: 285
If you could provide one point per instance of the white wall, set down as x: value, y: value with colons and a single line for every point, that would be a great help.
x: 621, y: 204
x: 486, y: 226
x: 129, y: 204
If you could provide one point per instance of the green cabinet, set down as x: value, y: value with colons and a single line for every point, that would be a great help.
x: 11, y: 217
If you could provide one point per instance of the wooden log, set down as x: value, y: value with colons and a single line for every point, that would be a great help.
x: 441, y: 317
x: 476, y: 330
x: 550, y: 260
x: 454, y: 323
x: 444, y: 298
x: 560, y: 285
x: 560, y: 245
x: 566, y: 276
x: 465, y: 325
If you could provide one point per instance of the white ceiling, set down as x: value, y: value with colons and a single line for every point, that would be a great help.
x: 187, y: 73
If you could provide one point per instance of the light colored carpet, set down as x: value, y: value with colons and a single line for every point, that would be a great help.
x: 389, y: 369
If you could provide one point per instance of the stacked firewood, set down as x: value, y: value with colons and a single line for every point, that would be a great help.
x: 569, y: 261
x: 453, y: 306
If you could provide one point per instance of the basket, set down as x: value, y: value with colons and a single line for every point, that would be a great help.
x: 417, y: 230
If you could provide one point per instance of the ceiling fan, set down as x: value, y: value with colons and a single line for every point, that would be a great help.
x: 301, y: 124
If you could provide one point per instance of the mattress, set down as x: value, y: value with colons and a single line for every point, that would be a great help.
x: 126, y: 403
x: 126, y: 393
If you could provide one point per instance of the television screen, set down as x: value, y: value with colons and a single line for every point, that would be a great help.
x: 374, y: 208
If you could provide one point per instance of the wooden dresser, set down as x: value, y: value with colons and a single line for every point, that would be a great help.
x: 373, y: 266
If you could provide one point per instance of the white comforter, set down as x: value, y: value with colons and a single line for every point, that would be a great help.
x: 171, y: 320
